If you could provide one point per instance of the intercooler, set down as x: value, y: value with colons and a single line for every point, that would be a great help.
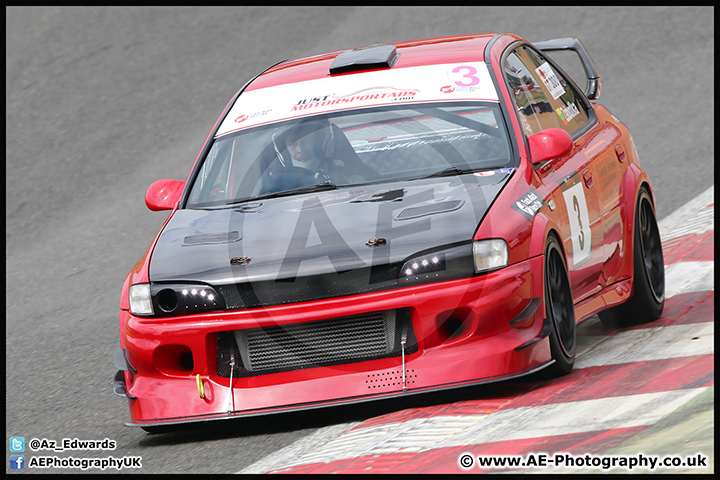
x: 333, y: 341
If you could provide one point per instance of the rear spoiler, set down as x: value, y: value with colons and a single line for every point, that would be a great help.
x: 591, y: 72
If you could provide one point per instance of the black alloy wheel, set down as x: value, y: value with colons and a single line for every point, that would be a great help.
x: 559, y: 309
x: 648, y: 297
x: 651, y: 251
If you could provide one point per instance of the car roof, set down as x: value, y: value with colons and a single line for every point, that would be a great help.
x: 427, y: 51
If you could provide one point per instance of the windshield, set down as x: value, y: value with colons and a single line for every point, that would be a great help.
x: 383, y: 144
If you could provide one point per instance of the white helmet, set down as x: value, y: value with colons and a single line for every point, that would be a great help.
x: 321, y: 133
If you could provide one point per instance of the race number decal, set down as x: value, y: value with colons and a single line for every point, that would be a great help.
x: 578, y: 218
x: 465, y: 76
x: 469, y: 78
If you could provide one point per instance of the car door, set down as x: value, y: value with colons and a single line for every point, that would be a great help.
x: 545, y: 98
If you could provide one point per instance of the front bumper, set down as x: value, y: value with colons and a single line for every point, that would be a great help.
x: 475, y: 330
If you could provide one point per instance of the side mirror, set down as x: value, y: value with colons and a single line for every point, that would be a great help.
x: 164, y: 194
x: 549, y: 143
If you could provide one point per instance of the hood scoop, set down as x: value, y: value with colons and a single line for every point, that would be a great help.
x: 249, y: 208
x: 365, y: 58
x: 385, y: 196
x: 212, y: 238
x: 429, y: 209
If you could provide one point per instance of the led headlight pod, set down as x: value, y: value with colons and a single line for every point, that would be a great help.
x: 183, y: 299
x: 426, y: 266
x: 140, y: 300
x: 438, y: 265
x: 490, y: 255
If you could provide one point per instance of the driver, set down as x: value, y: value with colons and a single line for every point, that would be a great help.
x: 312, y: 145
x: 300, y: 143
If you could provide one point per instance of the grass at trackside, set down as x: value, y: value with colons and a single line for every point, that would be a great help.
x: 687, y: 431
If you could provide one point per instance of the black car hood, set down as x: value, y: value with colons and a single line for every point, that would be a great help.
x: 323, y: 237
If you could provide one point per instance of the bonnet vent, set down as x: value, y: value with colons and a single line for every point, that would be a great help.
x: 212, y: 238
x: 441, y: 207
x: 365, y: 58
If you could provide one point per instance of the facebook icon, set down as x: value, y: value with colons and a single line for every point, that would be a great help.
x: 17, y: 462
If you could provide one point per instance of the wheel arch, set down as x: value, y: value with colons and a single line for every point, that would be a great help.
x: 630, y: 224
x: 558, y: 292
x: 543, y: 227
x: 633, y: 181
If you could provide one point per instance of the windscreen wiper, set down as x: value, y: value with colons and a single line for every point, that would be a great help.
x: 293, y: 191
x: 449, y: 172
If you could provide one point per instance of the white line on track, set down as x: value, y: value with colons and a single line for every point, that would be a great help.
x: 646, y: 344
x: 573, y: 417
x: 687, y: 277
x: 696, y: 216
x: 313, y: 442
x: 422, y: 434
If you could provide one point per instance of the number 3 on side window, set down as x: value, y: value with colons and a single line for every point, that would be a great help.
x: 579, y: 223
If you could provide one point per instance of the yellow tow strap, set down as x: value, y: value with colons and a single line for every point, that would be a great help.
x: 201, y: 388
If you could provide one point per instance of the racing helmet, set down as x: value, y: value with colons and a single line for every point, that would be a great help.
x: 320, y: 133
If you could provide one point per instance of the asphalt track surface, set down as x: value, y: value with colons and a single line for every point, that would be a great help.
x: 101, y: 102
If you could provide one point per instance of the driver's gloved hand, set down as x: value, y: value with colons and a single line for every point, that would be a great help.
x: 321, y: 177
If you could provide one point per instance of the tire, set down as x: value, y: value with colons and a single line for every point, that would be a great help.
x: 648, y: 297
x: 559, y: 310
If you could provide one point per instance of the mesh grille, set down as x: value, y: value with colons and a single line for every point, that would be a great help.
x: 334, y: 341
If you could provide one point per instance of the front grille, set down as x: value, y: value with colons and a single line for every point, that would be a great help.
x: 334, y: 341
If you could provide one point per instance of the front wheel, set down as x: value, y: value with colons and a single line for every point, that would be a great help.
x: 648, y: 298
x: 559, y: 309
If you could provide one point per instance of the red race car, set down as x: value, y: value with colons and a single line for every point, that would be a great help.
x: 388, y: 220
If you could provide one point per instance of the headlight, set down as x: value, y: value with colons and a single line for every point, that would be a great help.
x: 140, y: 300
x: 490, y: 255
x: 440, y: 265
x: 163, y: 300
x: 424, y: 266
x: 182, y: 299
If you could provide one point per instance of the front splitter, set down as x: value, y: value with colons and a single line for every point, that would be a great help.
x: 335, y: 402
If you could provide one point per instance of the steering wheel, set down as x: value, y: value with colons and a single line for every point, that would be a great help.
x: 287, y: 178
